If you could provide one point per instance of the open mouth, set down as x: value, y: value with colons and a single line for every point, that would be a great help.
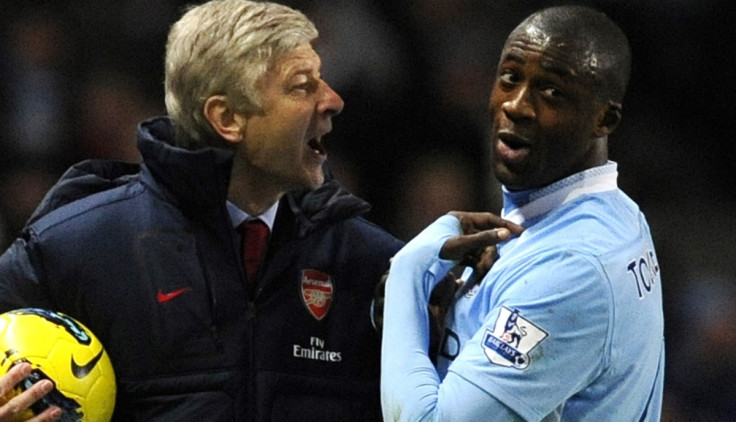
x: 512, y: 148
x: 316, y: 145
x: 513, y: 141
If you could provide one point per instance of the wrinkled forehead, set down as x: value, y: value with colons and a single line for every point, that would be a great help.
x: 566, y: 47
x: 301, y: 52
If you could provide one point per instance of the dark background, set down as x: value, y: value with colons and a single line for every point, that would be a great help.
x: 76, y: 78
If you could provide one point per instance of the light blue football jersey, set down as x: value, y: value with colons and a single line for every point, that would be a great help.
x: 567, y: 325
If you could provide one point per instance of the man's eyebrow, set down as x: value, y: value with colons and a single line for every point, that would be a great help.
x: 550, y: 65
x: 511, y: 56
x: 308, y: 71
x: 559, y: 69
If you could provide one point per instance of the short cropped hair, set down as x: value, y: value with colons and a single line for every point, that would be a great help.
x: 596, y: 36
x: 223, y: 47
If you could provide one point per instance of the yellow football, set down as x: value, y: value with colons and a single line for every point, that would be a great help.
x: 63, y: 350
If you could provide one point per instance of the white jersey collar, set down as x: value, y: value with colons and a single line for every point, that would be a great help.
x: 520, y: 206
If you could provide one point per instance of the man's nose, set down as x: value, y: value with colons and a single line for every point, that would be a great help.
x: 331, y: 103
x: 519, y: 104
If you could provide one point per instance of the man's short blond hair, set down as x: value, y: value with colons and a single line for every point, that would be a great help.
x: 222, y: 47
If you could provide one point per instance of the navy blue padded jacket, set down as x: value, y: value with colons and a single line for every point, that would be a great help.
x: 112, y: 241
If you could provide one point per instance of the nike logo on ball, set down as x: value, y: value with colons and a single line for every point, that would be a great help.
x: 81, y: 371
x: 165, y: 297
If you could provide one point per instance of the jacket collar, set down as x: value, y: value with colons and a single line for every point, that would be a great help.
x: 189, y: 177
x: 195, y: 179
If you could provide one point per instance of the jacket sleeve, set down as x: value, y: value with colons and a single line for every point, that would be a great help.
x: 20, y: 284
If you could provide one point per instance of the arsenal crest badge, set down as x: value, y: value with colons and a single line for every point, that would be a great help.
x: 317, y: 291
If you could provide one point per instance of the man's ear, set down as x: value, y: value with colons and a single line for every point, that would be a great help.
x: 224, y: 120
x: 608, y: 118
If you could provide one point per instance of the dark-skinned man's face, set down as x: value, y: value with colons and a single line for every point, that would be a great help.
x: 543, y: 110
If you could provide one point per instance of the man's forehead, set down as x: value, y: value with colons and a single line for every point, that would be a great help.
x: 576, y: 55
x: 534, y: 34
x: 301, y: 59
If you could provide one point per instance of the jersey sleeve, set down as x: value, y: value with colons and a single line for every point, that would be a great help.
x: 410, y: 386
x: 545, y: 335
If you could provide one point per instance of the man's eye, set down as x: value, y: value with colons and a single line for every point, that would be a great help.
x: 508, y: 77
x: 308, y: 86
x: 552, y: 92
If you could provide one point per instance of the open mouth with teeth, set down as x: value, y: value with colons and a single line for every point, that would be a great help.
x: 317, y: 146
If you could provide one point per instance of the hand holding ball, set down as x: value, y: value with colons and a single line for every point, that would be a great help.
x: 60, y: 349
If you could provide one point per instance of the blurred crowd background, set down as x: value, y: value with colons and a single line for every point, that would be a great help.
x: 76, y: 77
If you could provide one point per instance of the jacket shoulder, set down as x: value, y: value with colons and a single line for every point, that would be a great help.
x: 86, y: 186
x: 82, y: 180
x: 373, y: 230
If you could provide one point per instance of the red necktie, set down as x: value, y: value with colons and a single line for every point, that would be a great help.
x: 255, y: 235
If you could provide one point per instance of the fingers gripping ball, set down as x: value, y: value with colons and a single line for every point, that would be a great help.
x: 63, y: 350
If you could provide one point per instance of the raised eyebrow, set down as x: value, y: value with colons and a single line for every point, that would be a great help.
x: 564, y: 72
x: 511, y: 56
x: 552, y: 66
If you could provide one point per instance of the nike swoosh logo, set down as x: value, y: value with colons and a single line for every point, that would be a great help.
x: 81, y: 371
x: 165, y: 297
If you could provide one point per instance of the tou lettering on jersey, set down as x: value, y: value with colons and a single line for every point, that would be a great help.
x: 317, y: 292
x: 511, y: 340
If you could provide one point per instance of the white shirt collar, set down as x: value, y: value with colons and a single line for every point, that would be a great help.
x: 238, y: 216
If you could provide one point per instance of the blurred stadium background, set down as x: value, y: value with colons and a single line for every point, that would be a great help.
x: 77, y: 76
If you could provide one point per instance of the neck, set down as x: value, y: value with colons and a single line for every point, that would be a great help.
x: 599, y: 153
x: 251, y: 191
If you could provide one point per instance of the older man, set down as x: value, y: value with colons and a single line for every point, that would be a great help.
x: 228, y: 276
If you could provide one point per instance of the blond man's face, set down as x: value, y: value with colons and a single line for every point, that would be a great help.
x: 283, y: 143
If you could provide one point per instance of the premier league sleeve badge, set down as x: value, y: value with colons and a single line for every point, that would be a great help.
x: 511, y: 340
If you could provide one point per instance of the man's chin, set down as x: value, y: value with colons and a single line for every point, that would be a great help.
x: 503, y: 174
x: 315, y: 180
x: 509, y: 180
